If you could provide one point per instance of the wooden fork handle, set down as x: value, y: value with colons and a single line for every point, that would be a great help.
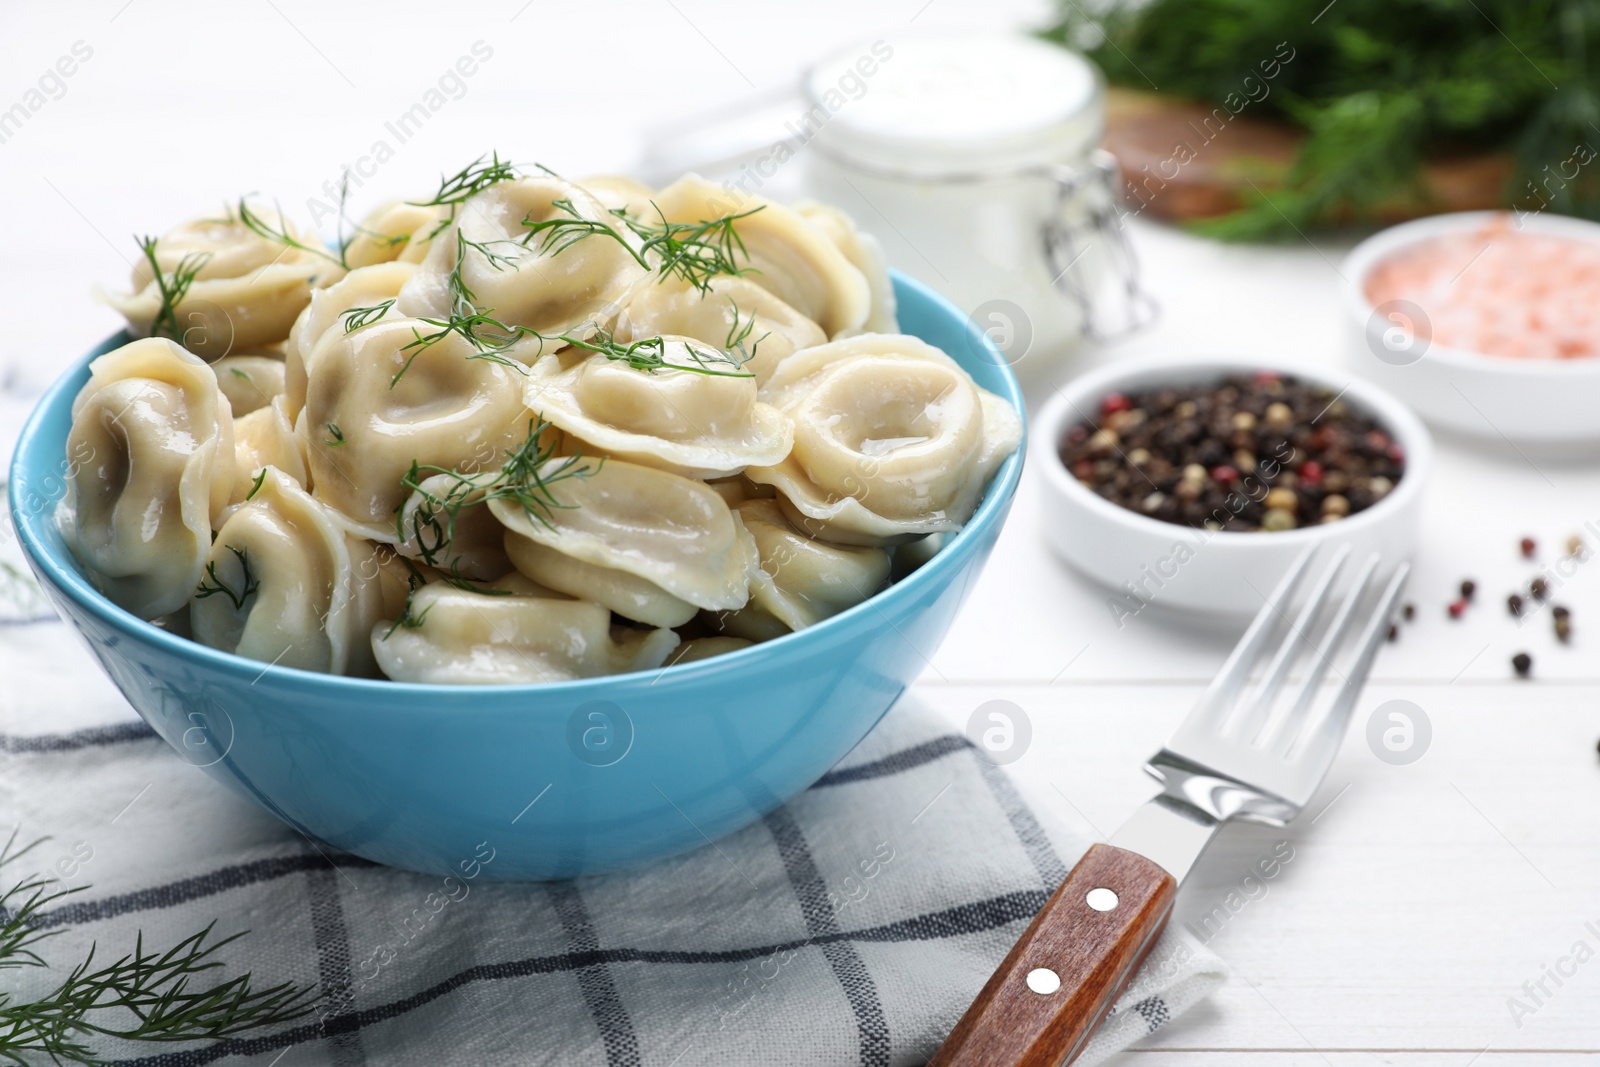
x: 1057, y: 983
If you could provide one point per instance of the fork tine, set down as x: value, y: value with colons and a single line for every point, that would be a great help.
x: 1283, y: 734
x: 1299, y: 636
x: 1218, y: 698
x: 1324, y: 742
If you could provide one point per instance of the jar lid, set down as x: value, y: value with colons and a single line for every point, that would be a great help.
x: 942, y: 104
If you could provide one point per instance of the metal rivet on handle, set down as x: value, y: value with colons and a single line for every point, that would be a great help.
x: 1101, y: 899
x: 1043, y: 981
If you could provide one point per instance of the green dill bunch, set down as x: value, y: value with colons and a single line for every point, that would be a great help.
x: 1381, y: 89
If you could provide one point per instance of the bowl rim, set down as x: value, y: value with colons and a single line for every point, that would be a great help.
x: 1067, y: 407
x: 1379, y: 246
x: 64, y: 575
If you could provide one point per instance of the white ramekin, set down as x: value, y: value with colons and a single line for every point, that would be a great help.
x: 1145, y: 563
x: 1551, y: 403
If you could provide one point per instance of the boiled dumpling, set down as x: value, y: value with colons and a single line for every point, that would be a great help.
x: 538, y: 280
x: 237, y: 289
x: 863, y: 250
x: 802, y: 581
x: 152, y: 441
x: 701, y: 423
x: 734, y: 310
x: 373, y: 408
x: 394, y: 232
x: 787, y: 255
x: 617, y: 193
x: 266, y: 438
x: 672, y: 534
x: 372, y: 287
x: 249, y: 381
x: 893, y: 440
x: 523, y: 635
x: 284, y: 584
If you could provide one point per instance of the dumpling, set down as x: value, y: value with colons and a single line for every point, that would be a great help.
x: 157, y: 437
x: 249, y: 381
x: 789, y: 257
x: 692, y: 422
x: 394, y: 232
x: 863, y: 250
x: 375, y: 407
x: 618, y: 193
x: 224, y: 287
x: 733, y: 310
x: 802, y: 581
x: 454, y: 637
x: 446, y: 523
x: 266, y: 438
x: 550, y: 281
x: 892, y: 440
x: 365, y: 287
x: 672, y: 535
x: 284, y: 584
x: 698, y: 648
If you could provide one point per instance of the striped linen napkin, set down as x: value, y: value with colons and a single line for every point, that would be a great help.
x: 853, y: 925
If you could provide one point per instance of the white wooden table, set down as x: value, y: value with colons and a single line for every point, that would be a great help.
x: 1419, y: 898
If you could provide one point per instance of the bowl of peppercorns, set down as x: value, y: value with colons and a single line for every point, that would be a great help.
x: 1192, y: 484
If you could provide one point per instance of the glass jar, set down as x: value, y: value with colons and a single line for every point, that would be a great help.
x: 973, y: 159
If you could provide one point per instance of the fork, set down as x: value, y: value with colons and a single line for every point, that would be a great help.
x: 1235, y: 756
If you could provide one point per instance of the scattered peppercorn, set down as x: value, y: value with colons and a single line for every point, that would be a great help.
x: 1563, y: 623
x: 1409, y: 611
x: 1522, y: 663
x: 1576, y: 548
x: 1468, y: 587
x: 1248, y: 452
x: 1539, y: 588
x: 1514, y: 602
x: 1394, y: 632
x: 1457, y: 608
x: 1528, y: 546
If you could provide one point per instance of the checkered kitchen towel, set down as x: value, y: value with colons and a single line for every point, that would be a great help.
x: 853, y: 925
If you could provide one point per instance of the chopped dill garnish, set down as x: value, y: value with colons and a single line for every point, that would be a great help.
x: 255, y: 487
x: 262, y: 228
x: 338, y: 435
x: 650, y: 354
x: 560, y: 233
x: 221, y: 587
x: 527, y: 476
x: 172, y: 287
x: 355, y: 318
x: 414, y: 581
x: 695, y: 252
x: 470, y: 180
x: 739, y: 334
x: 237, y: 373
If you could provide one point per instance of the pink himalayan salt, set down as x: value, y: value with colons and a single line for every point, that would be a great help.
x: 1499, y: 291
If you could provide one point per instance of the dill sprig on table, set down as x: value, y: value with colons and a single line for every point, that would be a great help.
x: 1381, y: 88
x: 650, y: 354
x: 220, y: 587
x: 150, y: 995
x: 172, y: 287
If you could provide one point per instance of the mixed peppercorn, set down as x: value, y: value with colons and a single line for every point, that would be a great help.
x: 1253, y: 452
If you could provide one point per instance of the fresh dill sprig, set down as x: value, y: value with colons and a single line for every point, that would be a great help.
x: 153, y: 996
x: 738, y: 341
x: 338, y: 435
x: 355, y: 318
x: 561, y: 232
x: 262, y: 228
x: 470, y: 180
x: 172, y: 287
x: 695, y: 252
x: 650, y: 355
x: 414, y: 581
x: 220, y: 587
x: 255, y: 487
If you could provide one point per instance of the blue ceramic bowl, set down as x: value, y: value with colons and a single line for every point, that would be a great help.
x: 560, y: 780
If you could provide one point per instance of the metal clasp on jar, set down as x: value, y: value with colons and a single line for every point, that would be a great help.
x: 1086, y: 215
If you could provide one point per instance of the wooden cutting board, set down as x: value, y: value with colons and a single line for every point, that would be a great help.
x: 1186, y: 161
